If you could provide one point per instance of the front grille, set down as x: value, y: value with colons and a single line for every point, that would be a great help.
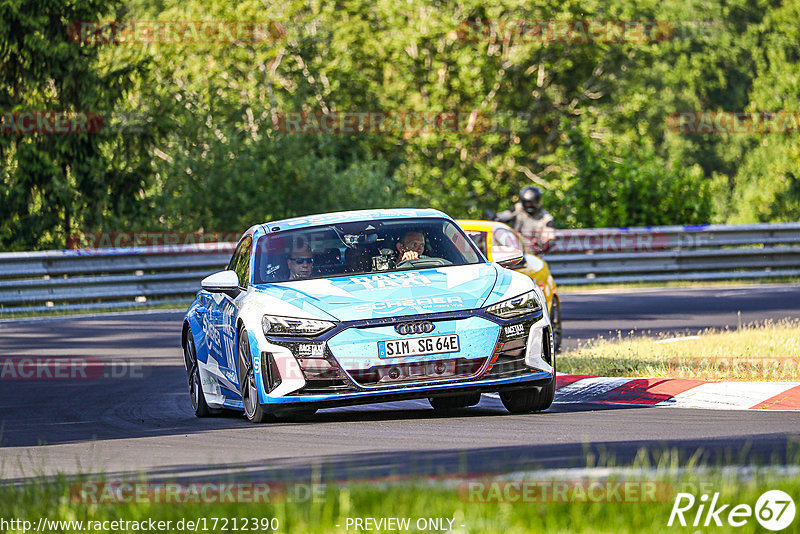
x: 508, y: 366
x: 414, y: 372
x: 325, y: 383
x: 320, y: 380
x: 325, y: 387
x: 510, y: 360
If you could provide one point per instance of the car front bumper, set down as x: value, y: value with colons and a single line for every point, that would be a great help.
x: 525, y: 364
x: 288, y: 403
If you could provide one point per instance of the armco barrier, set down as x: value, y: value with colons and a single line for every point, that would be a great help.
x: 114, y: 277
x: 667, y: 253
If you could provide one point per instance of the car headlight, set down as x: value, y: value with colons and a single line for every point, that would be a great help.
x: 515, y: 307
x: 289, y: 326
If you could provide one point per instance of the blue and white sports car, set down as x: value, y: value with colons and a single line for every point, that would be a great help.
x: 362, y: 307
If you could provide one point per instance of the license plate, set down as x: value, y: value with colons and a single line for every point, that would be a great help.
x: 418, y: 346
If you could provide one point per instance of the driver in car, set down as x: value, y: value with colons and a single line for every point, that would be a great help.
x: 411, y: 246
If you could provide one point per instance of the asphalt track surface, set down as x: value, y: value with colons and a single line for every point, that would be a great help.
x: 142, y: 422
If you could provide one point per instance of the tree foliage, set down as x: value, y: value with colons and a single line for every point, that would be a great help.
x: 54, y: 184
x: 586, y: 121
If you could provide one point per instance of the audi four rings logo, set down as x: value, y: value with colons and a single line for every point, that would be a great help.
x: 419, y: 327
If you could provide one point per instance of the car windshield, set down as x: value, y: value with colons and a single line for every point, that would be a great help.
x: 479, y: 238
x: 360, y: 248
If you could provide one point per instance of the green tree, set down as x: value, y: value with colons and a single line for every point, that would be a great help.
x: 56, y: 184
x: 588, y: 122
x: 596, y: 186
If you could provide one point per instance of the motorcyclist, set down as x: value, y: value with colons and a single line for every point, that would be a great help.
x: 533, y: 222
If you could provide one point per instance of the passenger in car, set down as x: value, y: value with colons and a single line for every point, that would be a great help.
x: 301, y: 263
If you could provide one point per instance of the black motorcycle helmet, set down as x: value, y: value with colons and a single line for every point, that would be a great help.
x: 531, y: 199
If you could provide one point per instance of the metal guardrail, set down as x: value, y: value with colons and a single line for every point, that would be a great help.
x: 106, y: 278
x: 672, y: 253
x: 116, y: 277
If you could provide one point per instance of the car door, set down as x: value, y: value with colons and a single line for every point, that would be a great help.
x: 240, y: 263
x: 222, y: 316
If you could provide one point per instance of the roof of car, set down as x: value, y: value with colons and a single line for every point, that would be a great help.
x: 475, y: 224
x: 350, y: 216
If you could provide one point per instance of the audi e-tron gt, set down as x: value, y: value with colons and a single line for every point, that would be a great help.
x: 363, y: 307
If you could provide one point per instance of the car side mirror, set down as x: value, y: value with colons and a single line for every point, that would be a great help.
x: 507, y: 256
x: 226, y: 282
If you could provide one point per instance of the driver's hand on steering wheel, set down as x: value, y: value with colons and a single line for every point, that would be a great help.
x: 409, y: 255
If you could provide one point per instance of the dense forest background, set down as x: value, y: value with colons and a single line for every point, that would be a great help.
x: 190, y: 139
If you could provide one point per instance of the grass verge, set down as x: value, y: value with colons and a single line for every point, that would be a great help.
x: 615, y: 504
x: 768, y: 352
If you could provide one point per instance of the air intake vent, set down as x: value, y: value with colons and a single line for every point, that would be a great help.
x: 547, y: 345
x: 269, y: 372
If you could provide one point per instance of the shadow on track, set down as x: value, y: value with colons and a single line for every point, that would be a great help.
x: 157, y: 404
x: 486, y: 461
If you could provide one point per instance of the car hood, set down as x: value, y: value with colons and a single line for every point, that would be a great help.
x: 370, y: 296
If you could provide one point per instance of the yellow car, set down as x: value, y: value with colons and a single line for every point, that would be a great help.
x: 489, y: 234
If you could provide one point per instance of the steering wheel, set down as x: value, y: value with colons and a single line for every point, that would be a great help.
x: 423, y: 262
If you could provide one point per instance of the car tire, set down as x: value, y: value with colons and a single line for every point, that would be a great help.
x: 529, y: 400
x: 555, y: 322
x: 247, y: 382
x: 199, y: 405
x: 455, y: 402
x: 546, y: 396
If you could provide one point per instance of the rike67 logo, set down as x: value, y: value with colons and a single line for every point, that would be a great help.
x: 774, y: 510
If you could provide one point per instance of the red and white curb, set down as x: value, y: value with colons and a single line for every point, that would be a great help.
x: 679, y: 393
